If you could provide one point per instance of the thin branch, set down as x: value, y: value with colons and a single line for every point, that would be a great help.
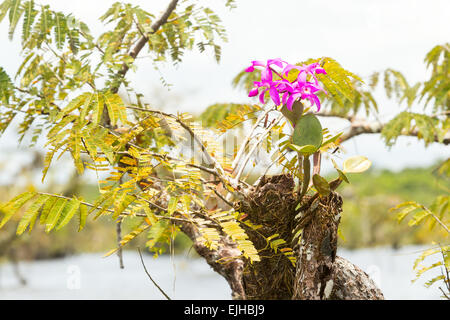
x: 436, y: 218
x: 94, y: 43
x: 150, y: 277
x: 143, y: 40
x: 248, y: 138
x: 260, y: 138
x: 222, y: 197
x: 119, y: 239
x: 362, y: 126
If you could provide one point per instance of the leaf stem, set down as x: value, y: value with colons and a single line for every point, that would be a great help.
x: 306, y: 174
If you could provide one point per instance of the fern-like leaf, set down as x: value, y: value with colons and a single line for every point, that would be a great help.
x: 31, y: 214
x: 15, y: 13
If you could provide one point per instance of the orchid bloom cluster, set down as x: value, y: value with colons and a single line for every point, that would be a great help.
x: 301, y: 88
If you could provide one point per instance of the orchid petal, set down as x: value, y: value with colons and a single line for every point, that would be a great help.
x: 261, y: 96
x: 266, y: 75
x: 285, y: 97
x: 290, y: 102
x: 317, y: 101
x: 254, y: 63
x: 289, y: 67
x: 321, y: 70
x: 301, y: 77
x: 278, y: 62
x: 250, y: 69
x: 253, y: 92
x: 258, y: 63
x: 275, y: 96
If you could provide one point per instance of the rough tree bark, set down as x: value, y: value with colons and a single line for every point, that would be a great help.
x: 318, y: 273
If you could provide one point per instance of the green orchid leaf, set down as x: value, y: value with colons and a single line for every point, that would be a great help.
x: 294, y: 114
x: 308, y: 131
x: 321, y: 184
x: 305, y: 150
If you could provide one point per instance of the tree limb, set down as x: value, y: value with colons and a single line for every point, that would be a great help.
x: 150, y: 277
x: 143, y: 40
x: 362, y: 126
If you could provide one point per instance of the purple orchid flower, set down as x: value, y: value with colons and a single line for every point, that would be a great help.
x: 266, y: 80
x: 301, y: 88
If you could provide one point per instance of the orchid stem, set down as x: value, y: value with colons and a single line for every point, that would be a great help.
x: 306, y: 175
x: 277, y: 73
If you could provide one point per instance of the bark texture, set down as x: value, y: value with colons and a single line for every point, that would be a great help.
x: 352, y: 283
x: 317, y: 274
x: 271, y: 204
x: 317, y: 249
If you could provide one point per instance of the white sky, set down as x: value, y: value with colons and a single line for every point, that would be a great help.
x: 363, y: 35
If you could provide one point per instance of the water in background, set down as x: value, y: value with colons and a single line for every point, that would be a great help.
x: 89, y: 276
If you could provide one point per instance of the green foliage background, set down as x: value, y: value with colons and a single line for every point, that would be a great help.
x: 366, y: 220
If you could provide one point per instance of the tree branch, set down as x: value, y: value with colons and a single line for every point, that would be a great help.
x: 261, y: 137
x: 362, y: 126
x: 247, y: 139
x: 143, y: 40
x: 150, y: 277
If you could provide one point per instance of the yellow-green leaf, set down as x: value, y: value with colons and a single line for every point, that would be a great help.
x: 15, y: 204
x: 83, y: 216
x: 69, y: 211
x: 321, y: 184
x: 54, y: 214
x: 356, y: 164
x: 30, y: 215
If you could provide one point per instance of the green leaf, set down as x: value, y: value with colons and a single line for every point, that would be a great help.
x: 129, y: 237
x: 121, y: 203
x: 54, y: 214
x: 293, y: 115
x: 69, y: 211
x: 158, y: 233
x: 15, y: 204
x: 83, y: 217
x: 150, y: 215
x: 404, y: 212
x: 305, y: 150
x: 332, y: 139
x: 75, y: 150
x: 6, y: 86
x: 418, y: 217
x: 99, y: 105
x: 87, y: 105
x: 46, y: 209
x: 356, y: 164
x: 74, y: 104
x: 342, y: 175
x: 45, y: 22
x: 15, y: 12
x: 116, y: 108
x: 60, y: 29
x: 321, y: 185
x: 97, y: 139
x: 172, y: 206
x: 4, y: 7
x: 30, y: 15
x: 308, y: 131
x: 30, y: 215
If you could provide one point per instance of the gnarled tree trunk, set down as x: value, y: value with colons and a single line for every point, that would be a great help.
x: 317, y: 274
